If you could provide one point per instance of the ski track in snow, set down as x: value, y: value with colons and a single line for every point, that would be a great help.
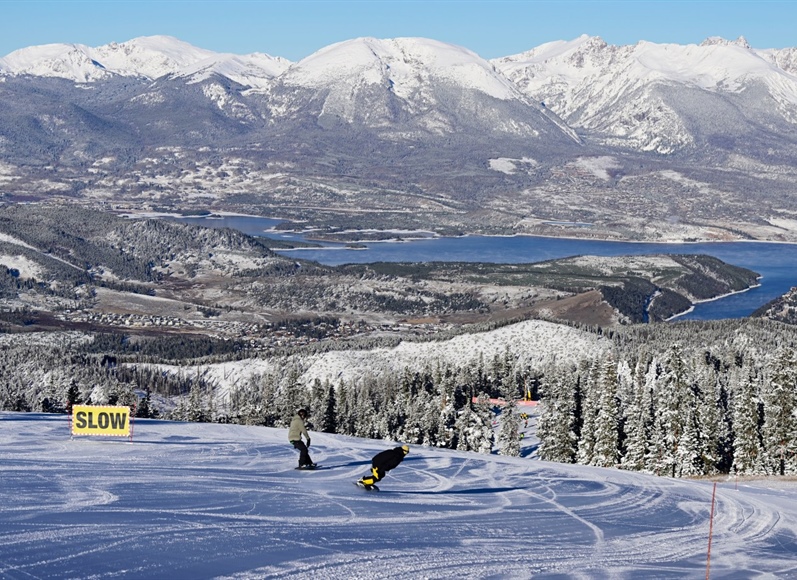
x: 221, y: 501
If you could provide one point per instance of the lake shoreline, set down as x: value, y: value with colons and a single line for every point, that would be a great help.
x: 696, y: 302
x: 775, y: 262
x: 401, y: 235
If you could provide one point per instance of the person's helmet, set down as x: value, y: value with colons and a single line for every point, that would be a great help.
x: 302, y: 413
x: 405, y: 449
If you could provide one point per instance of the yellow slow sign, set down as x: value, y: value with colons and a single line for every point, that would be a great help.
x: 92, y: 420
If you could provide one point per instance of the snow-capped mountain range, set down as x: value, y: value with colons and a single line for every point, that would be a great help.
x: 147, y: 57
x: 619, y: 92
x: 624, y: 92
x: 701, y: 131
x: 716, y: 64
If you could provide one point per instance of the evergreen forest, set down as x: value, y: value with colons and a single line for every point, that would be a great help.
x: 679, y: 399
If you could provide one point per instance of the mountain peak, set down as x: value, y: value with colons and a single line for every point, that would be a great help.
x: 150, y: 56
x: 252, y: 70
x: 401, y: 63
x: 72, y: 61
x: 719, y: 41
x: 617, y: 91
x: 555, y: 49
x: 147, y: 56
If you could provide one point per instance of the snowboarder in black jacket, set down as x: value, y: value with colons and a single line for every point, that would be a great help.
x: 381, y: 463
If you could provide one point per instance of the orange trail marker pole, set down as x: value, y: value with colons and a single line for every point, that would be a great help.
x: 710, y: 530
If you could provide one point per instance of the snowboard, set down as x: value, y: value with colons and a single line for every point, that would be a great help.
x: 361, y: 486
x: 308, y: 467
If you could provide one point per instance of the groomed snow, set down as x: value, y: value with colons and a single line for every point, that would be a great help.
x: 195, y: 501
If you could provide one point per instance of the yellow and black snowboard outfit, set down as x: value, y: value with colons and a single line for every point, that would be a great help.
x: 381, y: 463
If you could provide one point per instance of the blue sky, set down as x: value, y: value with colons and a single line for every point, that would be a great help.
x: 297, y: 29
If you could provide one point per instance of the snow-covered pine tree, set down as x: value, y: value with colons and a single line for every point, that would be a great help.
x: 365, y: 415
x: 267, y: 408
x: 746, y: 437
x: 689, y: 454
x: 414, y: 429
x: 589, y: 413
x: 346, y: 408
x: 556, y: 425
x: 197, y: 410
x: 626, y: 389
x: 292, y: 394
x: 724, y: 426
x: 791, y: 449
x: 474, y: 426
x: 708, y: 418
x: 637, y: 411
x: 606, y: 451
x: 327, y: 409
x: 673, y: 390
x: 180, y: 410
x: 430, y: 422
x: 462, y: 427
x: 145, y: 409
x: 212, y: 404
x: 449, y: 399
x: 509, y: 433
x: 73, y: 394
x: 395, y: 411
x: 779, y: 396
x: 485, y: 436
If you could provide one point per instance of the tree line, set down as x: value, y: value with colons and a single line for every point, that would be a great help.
x: 676, y: 413
x: 679, y: 399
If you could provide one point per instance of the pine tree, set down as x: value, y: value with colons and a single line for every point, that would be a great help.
x: 474, y: 426
x: 145, y: 409
x: 668, y: 428
x: 746, y: 445
x: 73, y: 395
x: 431, y: 421
x: 638, y: 417
x: 724, y: 427
x: 365, y: 414
x: 689, y: 456
x: 197, y: 410
x: 589, y: 414
x: 323, y: 403
x: 449, y: 399
x: 485, y: 436
x: 346, y: 408
x: 606, y: 452
x: 292, y: 394
x: 709, y: 420
x: 509, y: 433
x: 414, y: 428
x: 556, y: 425
x: 462, y: 427
x: 780, y: 404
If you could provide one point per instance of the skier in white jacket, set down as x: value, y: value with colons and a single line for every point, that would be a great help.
x: 295, y: 433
